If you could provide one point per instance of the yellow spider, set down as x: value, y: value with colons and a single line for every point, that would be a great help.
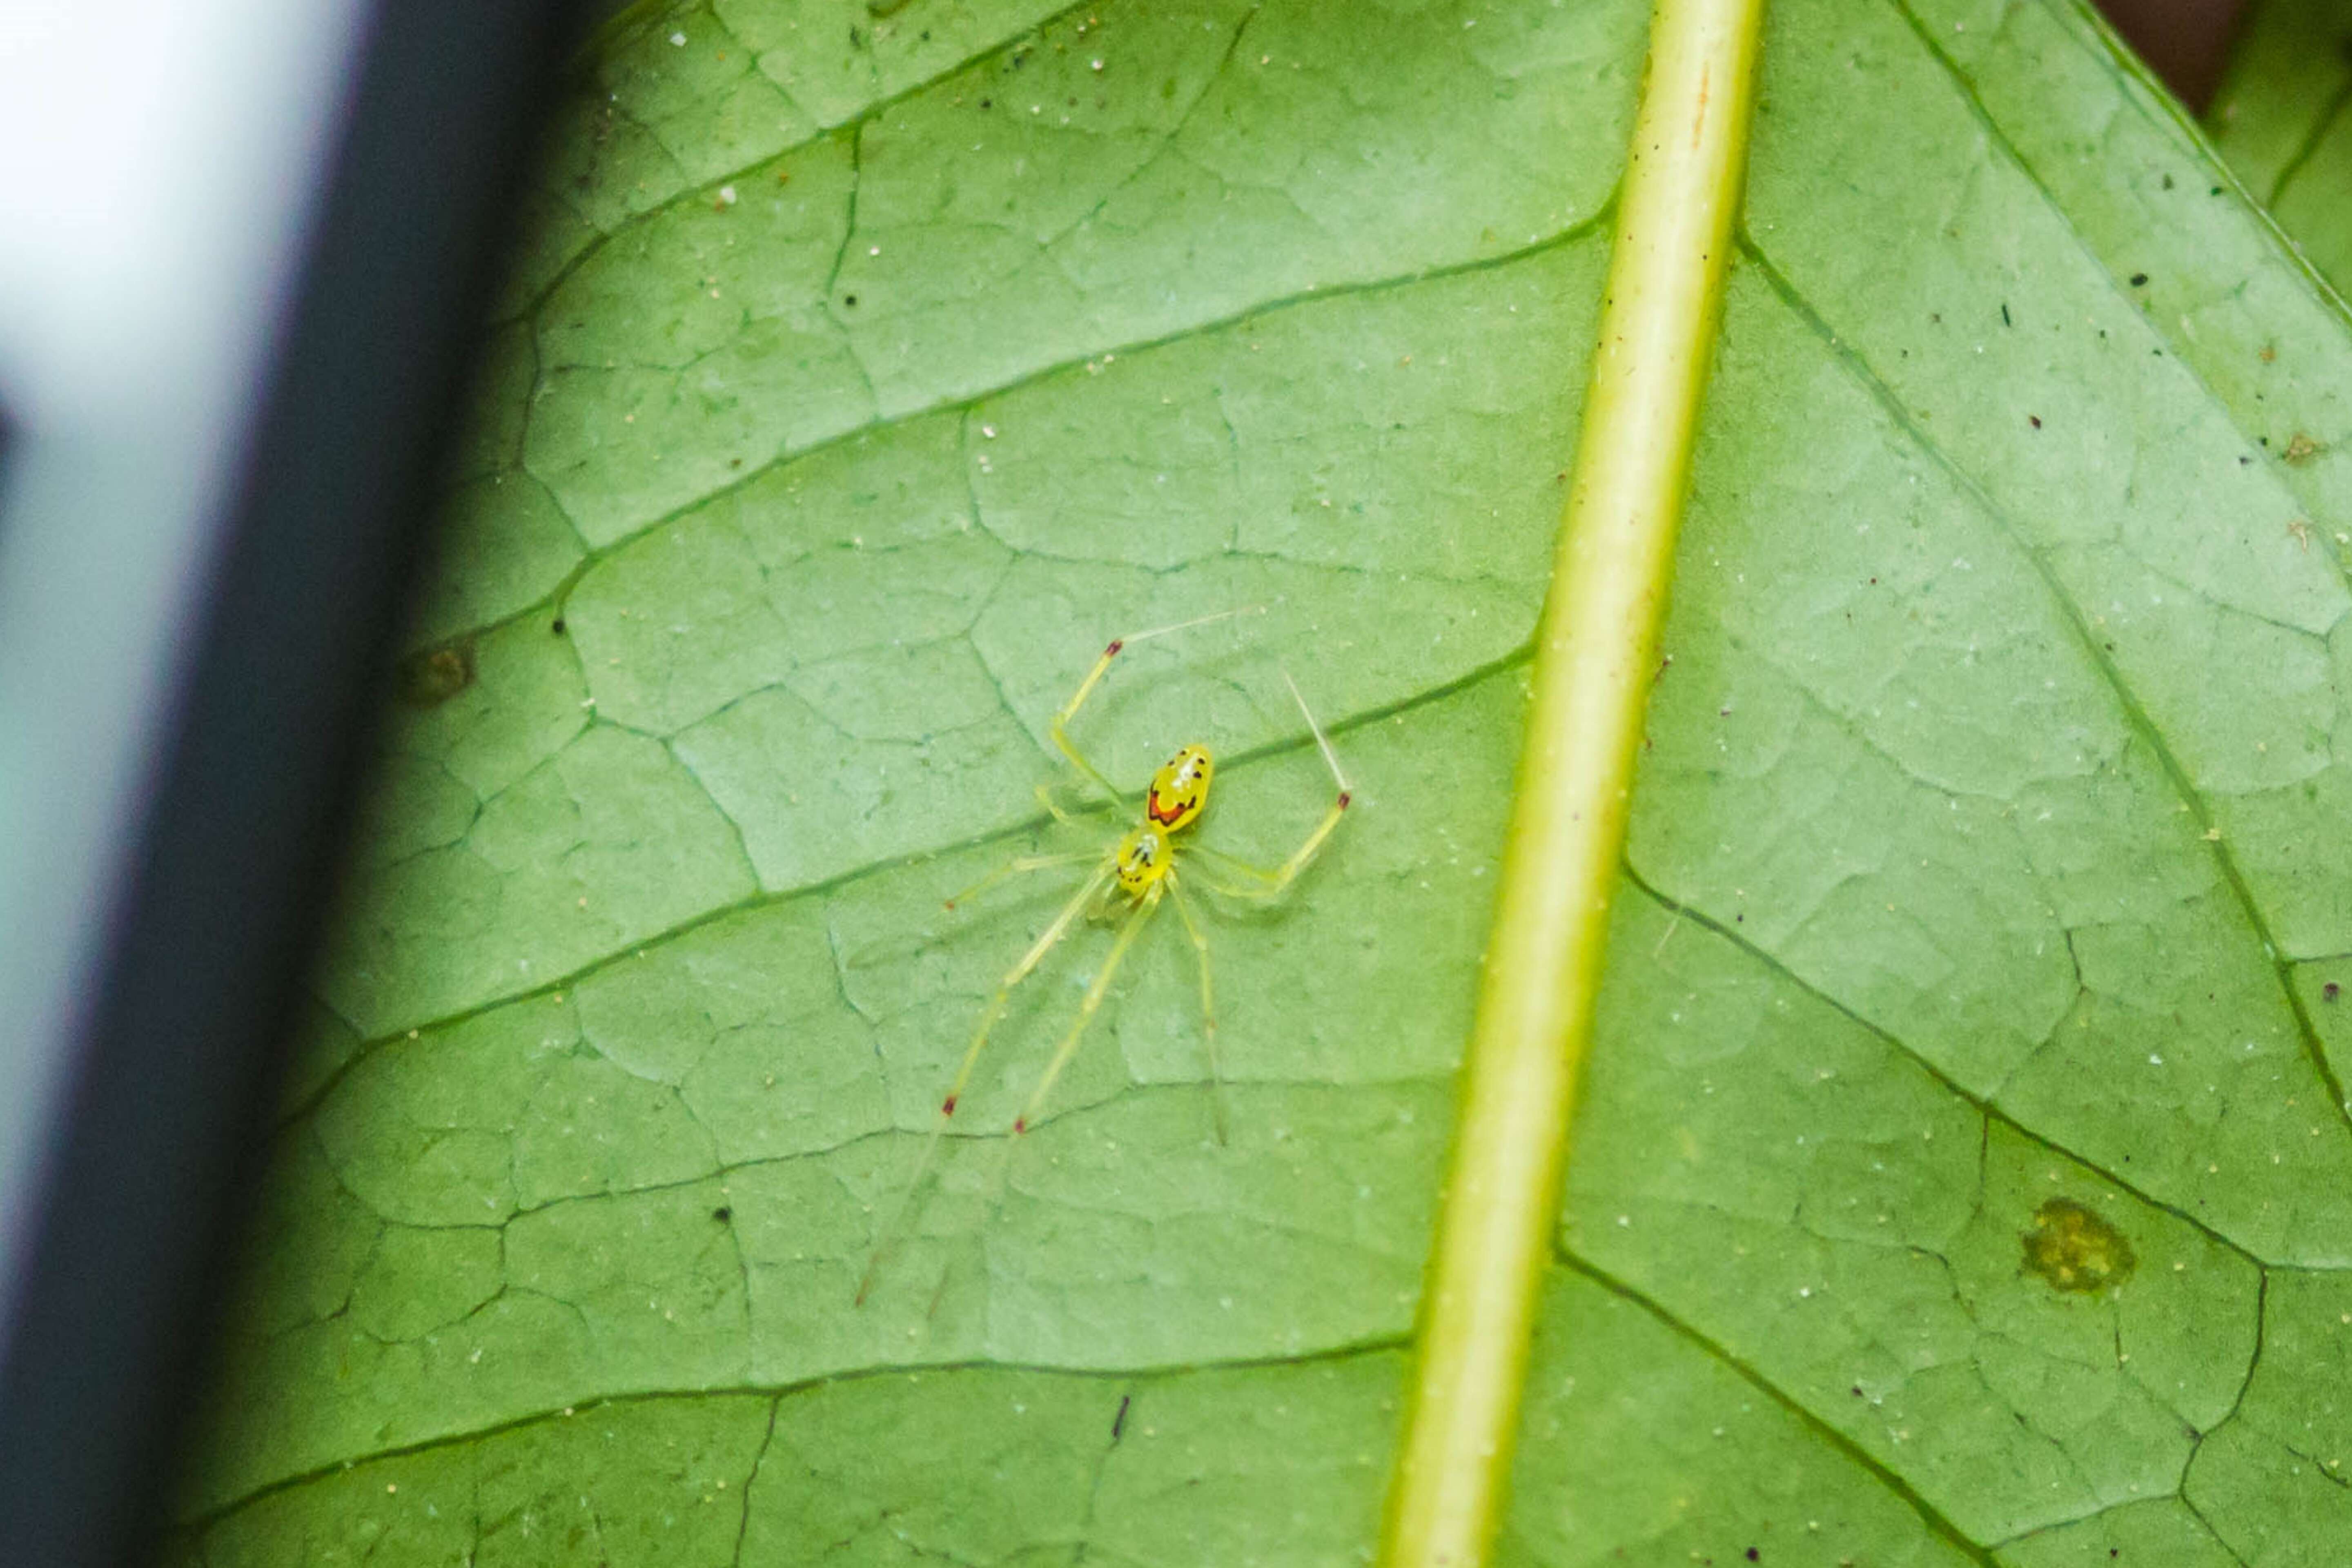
x: 1141, y: 867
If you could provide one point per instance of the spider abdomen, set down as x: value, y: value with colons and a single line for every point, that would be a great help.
x: 1180, y: 790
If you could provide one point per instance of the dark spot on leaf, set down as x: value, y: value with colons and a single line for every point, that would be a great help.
x: 2073, y: 1249
x: 722, y: 1214
x: 2004, y: 317
x: 2167, y: 182
x: 1119, y: 1422
x: 849, y: 298
x: 2139, y: 279
x: 1754, y: 1556
x: 429, y: 679
x: 2330, y: 992
x: 2034, y: 420
x: 987, y: 103
x: 556, y: 626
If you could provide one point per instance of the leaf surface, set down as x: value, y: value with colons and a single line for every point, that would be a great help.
x: 1962, y: 1173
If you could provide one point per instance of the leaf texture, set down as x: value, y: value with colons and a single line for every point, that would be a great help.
x: 1963, y: 1172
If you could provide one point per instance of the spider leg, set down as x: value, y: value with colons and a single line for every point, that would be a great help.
x: 1020, y: 866
x: 1088, y: 1005
x: 1061, y: 728
x: 1045, y: 798
x: 1267, y: 884
x: 891, y: 1229
x: 1272, y: 883
x: 1208, y: 1007
x: 1070, y: 711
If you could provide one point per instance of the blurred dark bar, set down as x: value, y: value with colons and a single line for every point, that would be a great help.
x: 255, y: 776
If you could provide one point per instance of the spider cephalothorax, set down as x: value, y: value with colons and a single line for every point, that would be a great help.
x: 1144, y: 858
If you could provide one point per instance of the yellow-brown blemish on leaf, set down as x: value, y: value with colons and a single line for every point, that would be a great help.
x: 2073, y: 1249
x: 429, y: 679
x: 2301, y: 448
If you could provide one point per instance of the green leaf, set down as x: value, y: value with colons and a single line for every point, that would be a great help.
x: 1962, y: 1175
x: 2283, y: 120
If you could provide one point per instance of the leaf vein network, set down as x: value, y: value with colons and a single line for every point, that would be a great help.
x: 2135, y: 713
